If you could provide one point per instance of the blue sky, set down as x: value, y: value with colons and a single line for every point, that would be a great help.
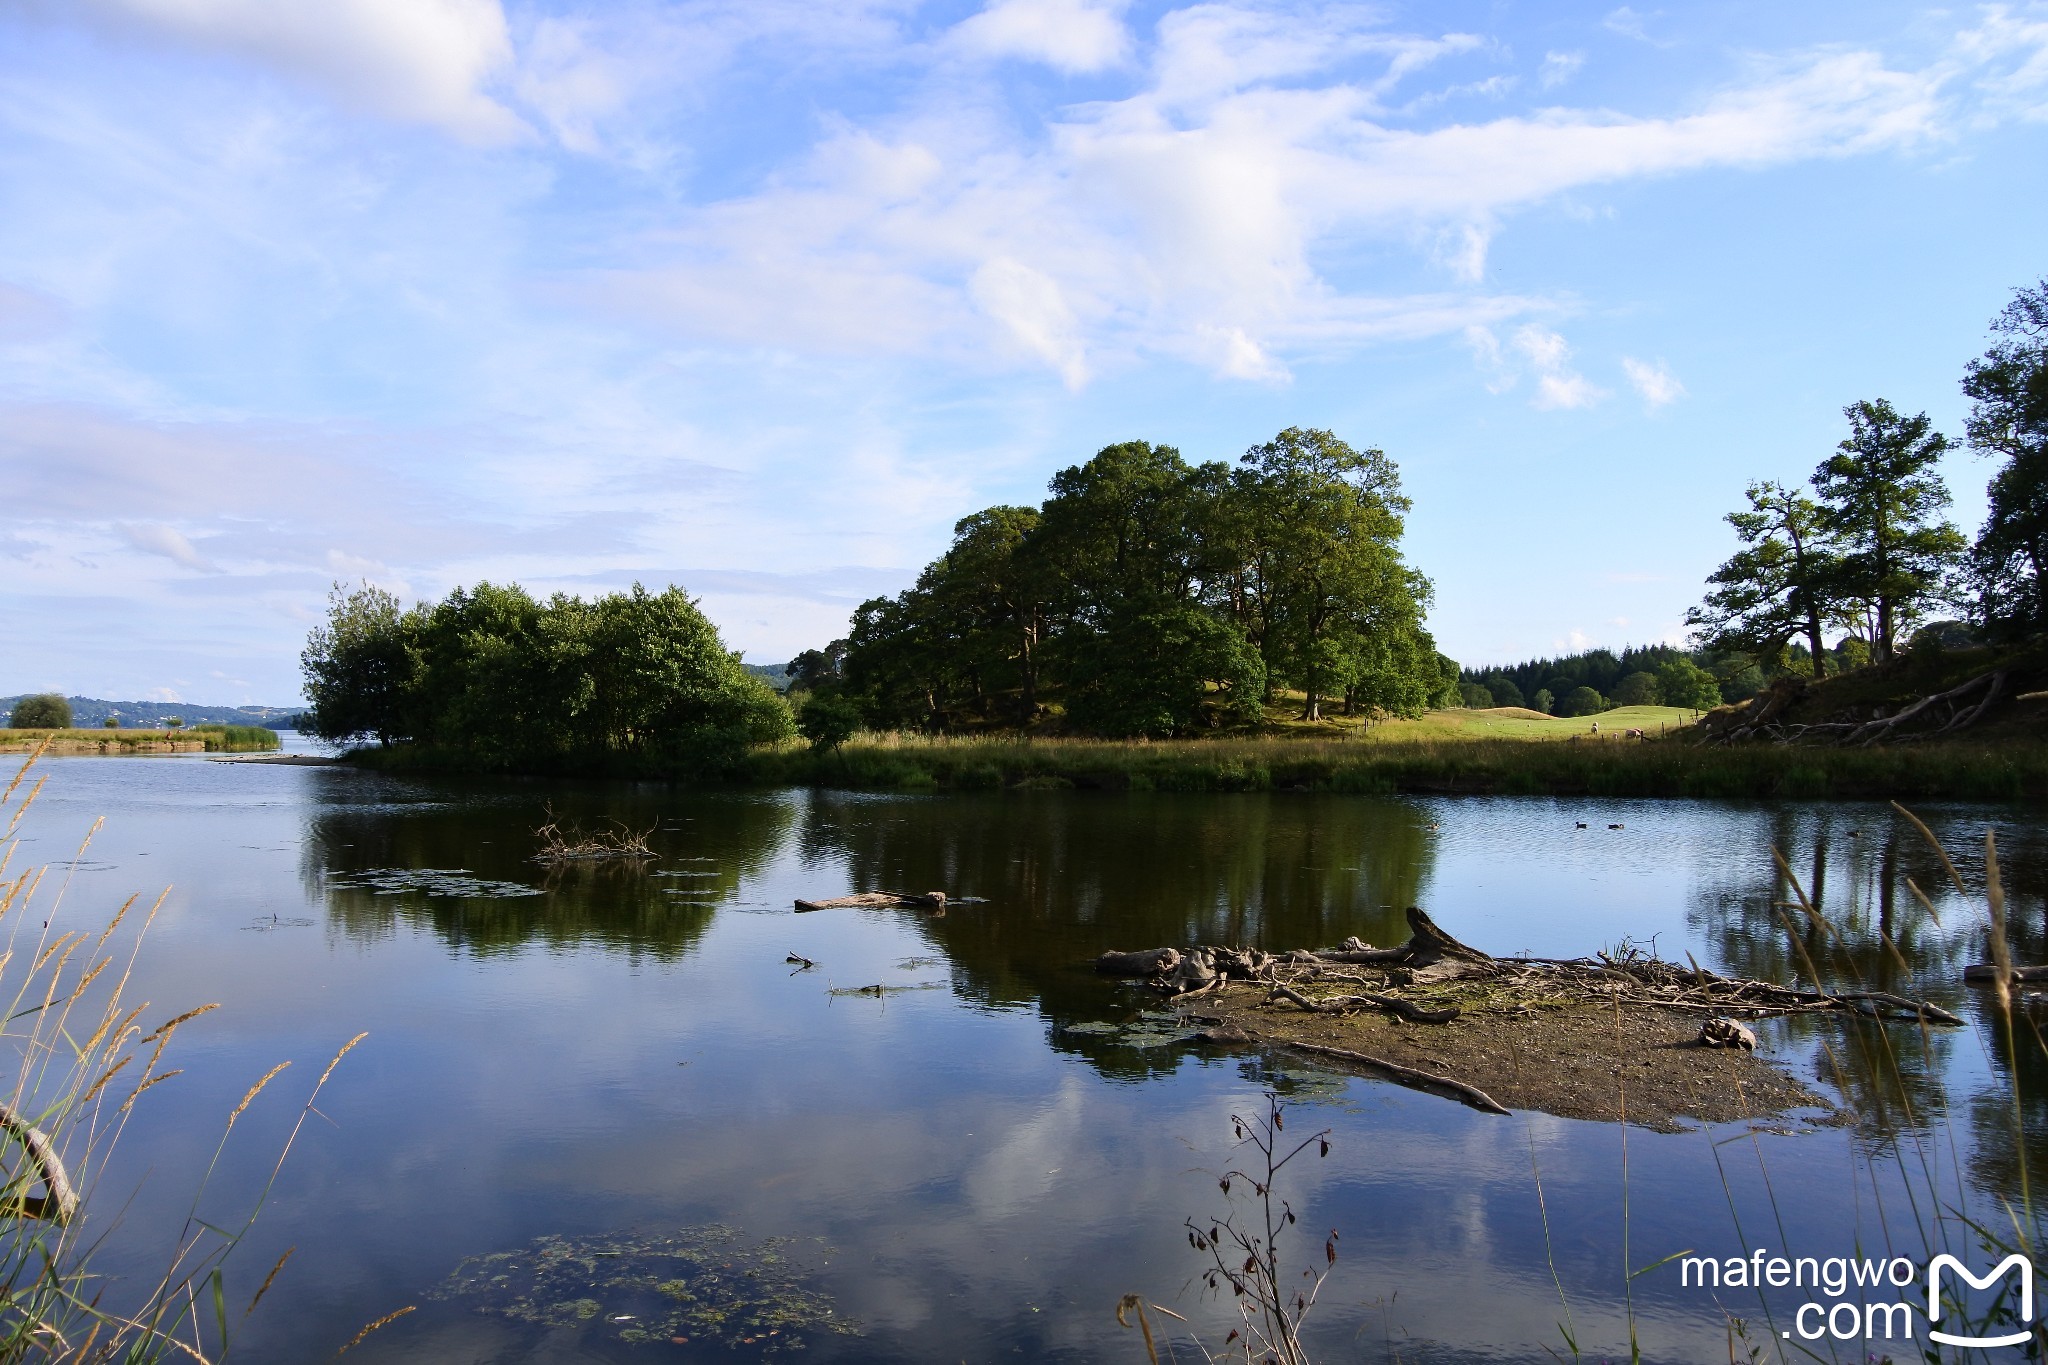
x: 760, y: 297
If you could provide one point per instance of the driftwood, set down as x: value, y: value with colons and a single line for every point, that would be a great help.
x: 1442, y: 1086
x: 878, y: 900
x: 1432, y: 957
x: 60, y: 1205
x: 558, y: 846
x: 1985, y: 972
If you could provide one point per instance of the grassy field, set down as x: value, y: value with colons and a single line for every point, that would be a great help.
x: 1514, y: 722
x: 223, y: 739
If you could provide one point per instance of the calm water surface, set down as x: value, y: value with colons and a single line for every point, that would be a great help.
x: 967, y: 1177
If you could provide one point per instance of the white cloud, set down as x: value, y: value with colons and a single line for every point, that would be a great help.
x: 1030, y: 307
x: 1068, y: 35
x: 424, y: 61
x: 1558, y: 68
x: 1628, y: 24
x: 1655, y: 383
x: 2010, y: 55
x: 157, y: 539
x: 1463, y: 250
x: 1558, y: 385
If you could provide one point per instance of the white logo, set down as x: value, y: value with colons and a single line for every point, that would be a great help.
x: 2026, y: 1269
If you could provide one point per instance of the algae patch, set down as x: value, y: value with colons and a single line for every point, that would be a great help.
x: 704, y: 1285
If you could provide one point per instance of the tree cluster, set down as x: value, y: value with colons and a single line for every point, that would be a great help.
x: 41, y: 711
x: 1587, y: 683
x: 1151, y: 596
x: 1862, y: 550
x: 631, y: 682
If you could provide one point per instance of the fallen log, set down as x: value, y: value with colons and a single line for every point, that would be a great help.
x: 877, y: 900
x: 1985, y: 973
x: 1442, y: 1086
x: 1150, y: 962
x: 60, y: 1205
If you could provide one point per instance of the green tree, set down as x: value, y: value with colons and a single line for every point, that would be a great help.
x: 1638, y: 689
x: 1880, y: 494
x: 1324, y: 524
x: 1151, y: 674
x: 2008, y: 390
x: 1783, y: 582
x: 1582, y: 701
x: 1503, y: 688
x: 664, y: 687
x: 1543, y: 701
x: 43, y: 711
x: 1475, y: 697
x: 816, y: 669
x: 357, y: 666
x: 1684, y: 683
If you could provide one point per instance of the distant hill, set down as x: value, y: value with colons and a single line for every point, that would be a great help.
x: 87, y: 712
x: 772, y: 674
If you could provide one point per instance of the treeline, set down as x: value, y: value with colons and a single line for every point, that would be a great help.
x: 1862, y: 550
x: 1149, y: 596
x: 1587, y: 683
x: 491, y: 678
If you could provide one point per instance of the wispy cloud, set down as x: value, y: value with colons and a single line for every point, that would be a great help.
x: 1558, y: 68
x: 1069, y: 35
x: 154, y: 538
x: 427, y: 61
x: 1657, y: 385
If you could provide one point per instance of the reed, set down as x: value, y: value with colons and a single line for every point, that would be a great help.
x: 78, y: 1058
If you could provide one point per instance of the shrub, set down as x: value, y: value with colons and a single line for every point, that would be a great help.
x: 828, y: 722
x: 44, y: 711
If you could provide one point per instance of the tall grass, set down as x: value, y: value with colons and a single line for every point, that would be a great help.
x: 81, y: 1056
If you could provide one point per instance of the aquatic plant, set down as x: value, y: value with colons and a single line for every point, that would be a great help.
x: 702, y: 1285
x: 1272, y: 1301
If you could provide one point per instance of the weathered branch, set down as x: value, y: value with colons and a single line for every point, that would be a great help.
x: 1442, y: 1086
x: 60, y: 1205
x: 1346, y: 1004
x: 878, y: 900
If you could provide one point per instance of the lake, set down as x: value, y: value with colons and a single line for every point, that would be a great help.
x: 972, y: 1167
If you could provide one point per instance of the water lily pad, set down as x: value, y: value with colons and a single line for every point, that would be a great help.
x: 704, y: 1285
x: 457, y: 882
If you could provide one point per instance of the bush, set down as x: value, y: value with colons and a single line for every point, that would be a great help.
x: 111, y: 723
x: 1543, y: 701
x: 44, y: 711
x: 828, y: 722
